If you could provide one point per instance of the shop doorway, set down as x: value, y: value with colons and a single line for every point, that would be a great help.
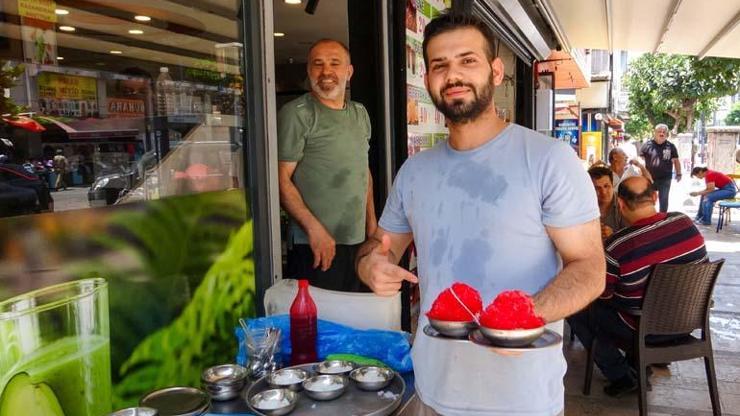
x: 297, y: 26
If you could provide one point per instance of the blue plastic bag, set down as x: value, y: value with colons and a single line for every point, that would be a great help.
x: 390, y: 347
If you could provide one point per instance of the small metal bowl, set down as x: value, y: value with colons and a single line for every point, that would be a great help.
x: 273, y: 379
x: 274, y: 395
x: 224, y: 382
x: 361, y: 375
x: 135, y: 411
x: 512, y: 338
x: 316, y: 386
x: 335, y: 367
x: 455, y: 329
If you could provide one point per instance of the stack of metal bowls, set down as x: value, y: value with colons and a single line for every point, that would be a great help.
x: 224, y: 382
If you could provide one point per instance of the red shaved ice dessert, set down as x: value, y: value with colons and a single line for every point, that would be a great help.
x: 447, y: 308
x: 512, y: 309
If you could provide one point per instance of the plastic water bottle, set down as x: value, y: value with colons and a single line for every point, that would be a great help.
x: 303, y: 327
x: 165, y: 93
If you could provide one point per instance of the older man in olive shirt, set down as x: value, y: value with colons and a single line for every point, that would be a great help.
x: 325, y: 183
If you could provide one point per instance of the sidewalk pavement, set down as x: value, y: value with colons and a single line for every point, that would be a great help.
x: 681, y: 389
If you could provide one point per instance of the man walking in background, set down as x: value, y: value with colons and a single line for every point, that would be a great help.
x: 661, y: 157
x: 325, y: 183
x: 60, y: 164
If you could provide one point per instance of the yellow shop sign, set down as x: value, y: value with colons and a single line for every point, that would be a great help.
x: 38, y: 9
x: 68, y: 87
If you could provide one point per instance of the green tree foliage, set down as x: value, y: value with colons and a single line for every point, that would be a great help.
x: 8, y: 78
x: 679, y: 88
x: 638, y: 126
x: 733, y: 119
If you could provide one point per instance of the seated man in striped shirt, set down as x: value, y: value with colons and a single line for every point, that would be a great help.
x: 651, y: 238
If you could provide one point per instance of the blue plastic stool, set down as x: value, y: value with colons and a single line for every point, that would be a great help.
x: 724, y: 208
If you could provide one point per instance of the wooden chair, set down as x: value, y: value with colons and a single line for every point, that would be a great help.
x: 677, y: 301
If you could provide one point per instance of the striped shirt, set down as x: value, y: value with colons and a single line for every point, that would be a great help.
x: 632, y: 252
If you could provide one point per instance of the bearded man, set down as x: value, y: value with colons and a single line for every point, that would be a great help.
x: 499, y: 207
x: 325, y: 183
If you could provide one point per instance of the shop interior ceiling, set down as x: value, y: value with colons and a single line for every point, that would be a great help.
x: 185, y: 33
x: 690, y: 27
x: 302, y: 29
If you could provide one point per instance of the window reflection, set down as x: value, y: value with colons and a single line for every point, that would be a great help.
x: 103, y: 109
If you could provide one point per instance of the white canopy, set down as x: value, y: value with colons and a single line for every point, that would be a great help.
x: 688, y: 27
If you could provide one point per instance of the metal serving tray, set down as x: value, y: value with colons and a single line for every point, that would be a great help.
x: 353, y: 402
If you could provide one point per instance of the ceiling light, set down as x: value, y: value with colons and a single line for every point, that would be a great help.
x: 67, y: 28
x: 136, y: 31
x: 292, y: 1
x: 279, y: 34
x: 142, y: 18
x: 114, y: 52
x: 61, y: 12
x: 60, y: 58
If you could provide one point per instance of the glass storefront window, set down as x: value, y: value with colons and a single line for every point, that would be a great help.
x: 108, y: 102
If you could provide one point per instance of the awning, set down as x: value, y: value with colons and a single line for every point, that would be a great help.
x: 25, y: 123
x: 94, y: 130
x: 568, y: 70
x: 688, y: 27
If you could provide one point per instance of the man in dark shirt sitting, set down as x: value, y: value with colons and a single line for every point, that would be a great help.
x: 652, y: 238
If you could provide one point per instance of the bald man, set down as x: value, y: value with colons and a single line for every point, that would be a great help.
x: 651, y: 238
x: 325, y: 183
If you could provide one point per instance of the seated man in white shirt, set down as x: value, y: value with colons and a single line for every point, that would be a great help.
x: 622, y: 168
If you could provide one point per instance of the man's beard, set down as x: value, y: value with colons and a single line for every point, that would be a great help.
x: 325, y: 92
x: 461, y: 112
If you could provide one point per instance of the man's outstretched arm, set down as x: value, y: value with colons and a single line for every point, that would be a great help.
x: 583, y: 276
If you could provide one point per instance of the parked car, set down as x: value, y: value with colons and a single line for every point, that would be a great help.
x: 22, y: 192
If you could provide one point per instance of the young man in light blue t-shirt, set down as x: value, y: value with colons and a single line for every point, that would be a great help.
x: 498, y: 207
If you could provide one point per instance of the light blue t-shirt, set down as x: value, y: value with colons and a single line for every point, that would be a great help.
x: 479, y: 217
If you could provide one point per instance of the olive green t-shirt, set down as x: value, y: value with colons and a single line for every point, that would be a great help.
x: 331, y: 148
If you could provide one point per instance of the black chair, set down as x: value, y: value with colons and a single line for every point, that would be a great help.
x: 677, y: 301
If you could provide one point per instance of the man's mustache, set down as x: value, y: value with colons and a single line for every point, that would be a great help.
x: 458, y: 84
x: 323, y: 78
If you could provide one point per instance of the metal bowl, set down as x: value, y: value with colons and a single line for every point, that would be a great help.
x: 455, y: 329
x: 382, y: 377
x: 224, y: 382
x: 335, y: 367
x: 512, y: 337
x: 276, y: 395
x: 135, y: 411
x: 273, y: 379
x: 317, y: 387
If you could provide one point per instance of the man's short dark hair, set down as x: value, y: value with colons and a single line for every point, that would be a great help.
x: 597, y: 172
x: 634, y: 199
x: 697, y: 170
x: 449, y: 21
x: 328, y: 40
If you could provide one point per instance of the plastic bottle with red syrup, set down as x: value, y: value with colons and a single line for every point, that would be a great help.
x: 303, y: 327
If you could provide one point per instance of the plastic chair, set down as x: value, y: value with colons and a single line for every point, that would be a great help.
x: 726, y: 206
x: 670, y: 285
